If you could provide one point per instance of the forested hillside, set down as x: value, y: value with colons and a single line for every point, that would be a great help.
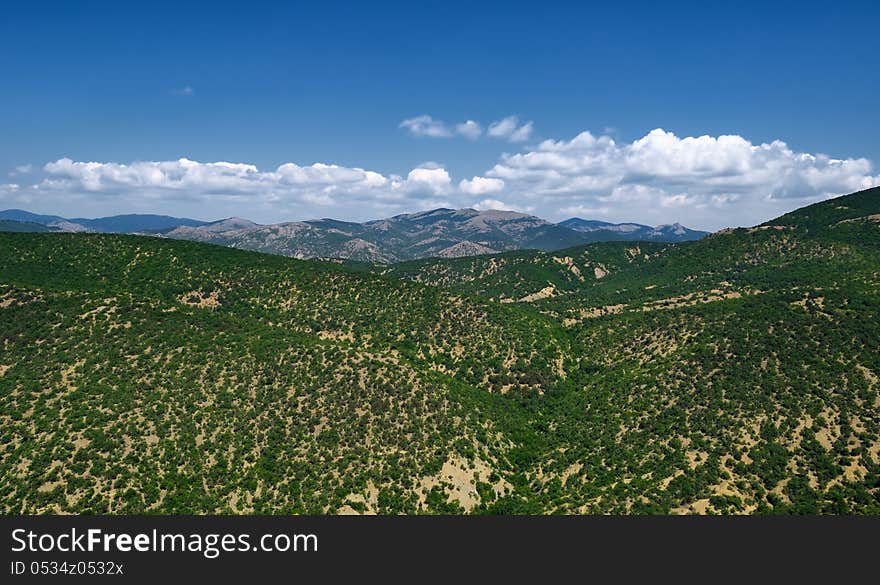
x: 736, y: 374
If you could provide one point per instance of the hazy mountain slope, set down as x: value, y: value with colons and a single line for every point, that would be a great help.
x: 53, y: 222
x: 603, y: 231
x: 136, y: 223
x: 592, y: 225
x: 21, y: 215
x: 9, y: 225
x: 114, y: 224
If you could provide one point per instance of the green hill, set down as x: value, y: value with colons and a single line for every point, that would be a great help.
x: 736, y: 374
x: 513, y: 275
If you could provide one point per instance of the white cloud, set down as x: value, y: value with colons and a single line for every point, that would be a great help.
x: 426, y: 181
x: 481, y: 185
x: 217, y: 189
x: 425, y: 125
x: 184, y: 91
x: 704, y: 182
x: 510, y: 129
x: 708, y: 181
x: 429, y: 164
x: 487, y: 204
x: 522, y: 133
x: 469, y: 129
x: 585, y: 211
x: 21, y: 170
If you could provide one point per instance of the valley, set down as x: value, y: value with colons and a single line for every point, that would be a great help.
x: 733, y: 374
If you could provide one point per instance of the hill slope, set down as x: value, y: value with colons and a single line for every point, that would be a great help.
x: 113, y: 344
x: 11, y: 225
x: 735, y: 374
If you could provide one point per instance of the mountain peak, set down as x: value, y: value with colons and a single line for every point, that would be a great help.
x: 234, y: 221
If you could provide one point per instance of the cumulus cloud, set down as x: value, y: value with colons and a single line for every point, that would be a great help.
x: 429, y: 164
x: 510, y: 129
x: 184, y: 91
x: 425, y: 125
x: 228, y: 188
x: 21, y: 170
x: 709, y: 181
x: 469, y: 129
x: 487, y: 204
x: 705, y: 182
x: 481, y: 185
x: 424, y: 181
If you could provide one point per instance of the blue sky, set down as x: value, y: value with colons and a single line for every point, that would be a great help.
x: 266, y: 84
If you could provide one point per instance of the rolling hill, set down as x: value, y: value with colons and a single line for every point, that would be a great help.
x: 734, y: 374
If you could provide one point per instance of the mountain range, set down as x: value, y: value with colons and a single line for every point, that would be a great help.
x: 604, y: 231
x: 444, y: 233
x: 118, y: 224
x: 736, y: 374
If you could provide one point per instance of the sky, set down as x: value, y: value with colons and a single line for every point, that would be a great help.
x: 708, y: 114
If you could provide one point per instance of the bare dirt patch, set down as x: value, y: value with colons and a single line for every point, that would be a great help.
x: 568, y: 262
x: 546, y: 292
x: 593, y: 313
x: 458, y: 477
x: 694, y: 298
x: 870, y: 376
x: 197, y: 298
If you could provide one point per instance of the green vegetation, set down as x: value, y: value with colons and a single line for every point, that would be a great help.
x: 737, y: 374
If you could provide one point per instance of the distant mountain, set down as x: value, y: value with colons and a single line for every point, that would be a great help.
x: 444, y: 233
x: 606, y: 231
x: 130, y: 223
x: 135, y: 222
x: 441, y: 233
x: 21, y: 215
x: 10, y: 225
x: 593, y: 225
